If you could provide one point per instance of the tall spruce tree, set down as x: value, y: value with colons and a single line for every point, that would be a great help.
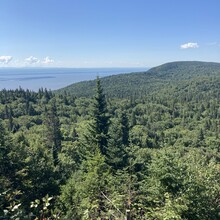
x: 100, y: 125
x: 53, y: 131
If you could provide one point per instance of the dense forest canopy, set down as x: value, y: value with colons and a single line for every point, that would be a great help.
x: 131, y: 146
x: 154, y: 80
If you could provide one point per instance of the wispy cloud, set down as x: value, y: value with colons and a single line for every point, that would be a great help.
x: 5, y: 59
x: 189, y: 45
x: 32, y: 60
x: 47, y: 60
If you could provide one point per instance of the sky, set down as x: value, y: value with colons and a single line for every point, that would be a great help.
x: 107, y: 33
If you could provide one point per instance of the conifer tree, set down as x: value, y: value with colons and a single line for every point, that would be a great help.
x: 6, y: 116
x: 84, y: 195
x: 100, y: 125
x: 3, y: 151
x: 119, y: 139
x: 53, y: 131
x: 125, y: 128
x: 9, y: 115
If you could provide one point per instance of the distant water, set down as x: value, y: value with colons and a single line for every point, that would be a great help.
x: 53, y: 78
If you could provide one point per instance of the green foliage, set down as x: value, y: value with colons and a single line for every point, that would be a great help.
x: 150, y: 146
x: 82, y: 196
x: 53, y: 131
x: 118, y: 141
x: 140, y: 84
x: 99, y: 129
x: 180, y: 184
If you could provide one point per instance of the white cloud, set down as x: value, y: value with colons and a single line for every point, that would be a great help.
x: 5, y: 59
x: 32, y: 60
x: 47, y: 60
x: 189, y: 45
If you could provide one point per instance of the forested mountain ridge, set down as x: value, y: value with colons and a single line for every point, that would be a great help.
x: 152, y: 155
x: 143, y: 83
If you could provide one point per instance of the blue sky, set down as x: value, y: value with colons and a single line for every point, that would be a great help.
x: 108, y: 33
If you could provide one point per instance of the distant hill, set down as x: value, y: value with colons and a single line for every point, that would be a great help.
x: 153, y: 80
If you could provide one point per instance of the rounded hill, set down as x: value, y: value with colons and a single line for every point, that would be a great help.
x: 142, y: 83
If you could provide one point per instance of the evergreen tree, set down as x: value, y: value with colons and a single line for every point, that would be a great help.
x: 53, y: 131
x: 4, y: 150
x: 125, y: 128
x: 100, y: 125
x: 6, y: 114
x: 9, y: 115
x: 84, y: 195
x: 119, y: 139
x: 133, y: 119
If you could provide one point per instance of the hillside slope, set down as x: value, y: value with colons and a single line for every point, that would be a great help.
x: 155, y: 79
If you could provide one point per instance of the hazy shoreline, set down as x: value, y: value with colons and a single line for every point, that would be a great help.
x: 53, y: 78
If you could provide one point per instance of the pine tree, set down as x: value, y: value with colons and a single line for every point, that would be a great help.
x: 100, y: 125
x: 53, y: 131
